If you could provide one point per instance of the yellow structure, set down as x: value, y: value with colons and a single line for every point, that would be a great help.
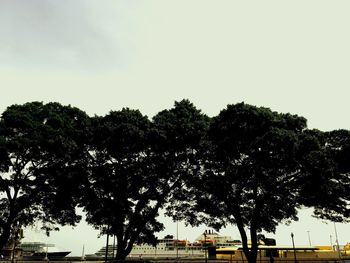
x: 346, y: 250
x: 277, y: 254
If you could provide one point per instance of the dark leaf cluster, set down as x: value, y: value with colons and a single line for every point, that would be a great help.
x: 248, y: 166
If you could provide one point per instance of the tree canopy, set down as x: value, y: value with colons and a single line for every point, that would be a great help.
x: 120, y: 197
x: 39, y: 148
x: 325, y: 184
x: 248, y: 173
x: 136, y: 166
x: 247, y: 166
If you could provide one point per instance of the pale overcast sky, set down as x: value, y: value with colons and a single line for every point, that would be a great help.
x: 291, y: 56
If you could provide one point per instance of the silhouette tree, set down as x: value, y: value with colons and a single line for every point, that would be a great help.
x: 40, y: 146
x: 248, y: 175
x: 325, y: 184
x: 120, y: 198
x: 136, y: 167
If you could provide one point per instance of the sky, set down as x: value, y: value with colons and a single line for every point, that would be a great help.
x: 290, y: 56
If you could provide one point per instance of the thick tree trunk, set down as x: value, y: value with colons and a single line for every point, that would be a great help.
x: 124, y: 247
x: 122, y: 252
x: 121, y: 245
x: 5, y: 235
x: 121, y: 255
x: 6, y: 228
x: 250, y: 253
x: 254, y: 240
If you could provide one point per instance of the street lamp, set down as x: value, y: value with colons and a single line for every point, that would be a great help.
x: 308, y: 234
x: 295, y: 255
x: 336, y: 240
x: 205, y: 246
x: 177, y: 239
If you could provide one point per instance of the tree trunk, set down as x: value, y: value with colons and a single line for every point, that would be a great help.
x: 120, y: 255
x: 251, y: 254
x: 4, y: 237
x: 254, y: 244
x: 6, y: 230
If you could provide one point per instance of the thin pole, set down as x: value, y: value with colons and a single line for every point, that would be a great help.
x: 83, y: 253
x: 47, y: 248
x: 106, y: 254
x: 336, y: 239
x: 308, y: 234
x: 205, y: 246
x: 295, y: 255
x: 177, y: 239
x: 113, y: 246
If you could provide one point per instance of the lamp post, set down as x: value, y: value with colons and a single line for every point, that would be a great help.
x: 295, y: 255
x: 336, y: 240
x: 308, y: 235
x: 177, y: 239
x: 47, y: 248
x: 205, y: 246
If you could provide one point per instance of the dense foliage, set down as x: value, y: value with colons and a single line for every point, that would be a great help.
x: 136, y: 167
x: 40, y: 149
x: 325, y: 184
x: 248, y: 173
x: 247, y: 166
x: 122, y: 194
